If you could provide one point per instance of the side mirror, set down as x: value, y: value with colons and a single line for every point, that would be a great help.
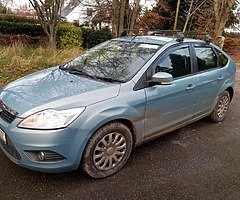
x: 162, y: 78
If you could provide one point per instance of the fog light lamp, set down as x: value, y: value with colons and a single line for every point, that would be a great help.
x: 41, y: 155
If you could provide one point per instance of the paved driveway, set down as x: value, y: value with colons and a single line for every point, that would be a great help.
x: 200, y: 161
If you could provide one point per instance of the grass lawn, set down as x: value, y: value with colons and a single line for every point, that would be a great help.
x: 20, y: 60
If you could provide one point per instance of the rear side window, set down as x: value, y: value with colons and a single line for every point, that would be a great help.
x: 177, y: 63
x: 206, y: 58
x: 223, y: 59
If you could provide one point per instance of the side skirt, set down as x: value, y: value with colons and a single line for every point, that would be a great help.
x: 170, y: 129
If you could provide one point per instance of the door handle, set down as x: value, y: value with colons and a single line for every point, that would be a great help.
x: 221, y: 77
x: 190, y: 87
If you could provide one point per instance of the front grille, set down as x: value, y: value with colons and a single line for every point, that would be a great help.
x: 11, y: 150
x: 6, y: 113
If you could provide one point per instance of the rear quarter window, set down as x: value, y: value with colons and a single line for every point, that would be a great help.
x: 206, y: 58
x: 223, y: 59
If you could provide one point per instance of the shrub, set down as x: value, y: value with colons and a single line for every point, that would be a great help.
x: 231, y: 45
x: 19, y: 28
x: 69, y: 36
x: 93, y: 37
x: 15, y: 18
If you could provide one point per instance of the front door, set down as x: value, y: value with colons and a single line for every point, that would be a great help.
x: 169, y: 105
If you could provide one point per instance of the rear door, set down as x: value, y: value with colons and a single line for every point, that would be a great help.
x: 211, y: 78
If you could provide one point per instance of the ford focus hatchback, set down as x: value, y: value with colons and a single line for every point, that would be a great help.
x: 93, y: 110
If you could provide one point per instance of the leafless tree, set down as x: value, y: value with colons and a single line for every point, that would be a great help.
x: 191, y: 11
x: 176, y: 16
x: 49, y: 14
x: 124, y: 15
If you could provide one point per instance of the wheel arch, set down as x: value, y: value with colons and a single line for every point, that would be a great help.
x: 127, y: 122
x: 231, y: 92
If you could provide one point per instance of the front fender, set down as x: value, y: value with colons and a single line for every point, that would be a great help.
x: 101, y: 117
x: 129, y: 105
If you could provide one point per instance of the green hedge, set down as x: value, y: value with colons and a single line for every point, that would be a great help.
x: 93, y: 37
x: 12, y: 28
x: 69, y: 36
x: 15, y: 18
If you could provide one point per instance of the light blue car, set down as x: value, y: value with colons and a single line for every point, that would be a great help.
x: 93, y: 110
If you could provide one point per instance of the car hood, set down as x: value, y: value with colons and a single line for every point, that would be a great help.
x: 55, y: 88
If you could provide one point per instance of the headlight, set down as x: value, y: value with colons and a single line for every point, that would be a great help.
x: 51, y: 119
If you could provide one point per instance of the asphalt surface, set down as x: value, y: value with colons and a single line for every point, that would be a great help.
x: 200, y: 161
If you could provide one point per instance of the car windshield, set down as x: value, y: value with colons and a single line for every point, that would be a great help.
x: 113, y: 60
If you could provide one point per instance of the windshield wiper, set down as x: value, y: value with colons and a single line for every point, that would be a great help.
x: 64, y: 67
x: 80, y: 72
x: 111, y: 80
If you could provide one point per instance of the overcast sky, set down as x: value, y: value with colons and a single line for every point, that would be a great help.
x: 75, y: 14
x: 17, y: 3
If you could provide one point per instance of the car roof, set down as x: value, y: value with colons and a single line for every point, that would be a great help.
x: 160, y: 40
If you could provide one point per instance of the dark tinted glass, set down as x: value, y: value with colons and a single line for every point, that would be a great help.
x: 206, y: 58
x: 177, y: 63
x: 222, y: 57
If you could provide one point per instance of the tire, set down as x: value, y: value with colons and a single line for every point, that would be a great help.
x: 107, y: 150
x: 221, y: 108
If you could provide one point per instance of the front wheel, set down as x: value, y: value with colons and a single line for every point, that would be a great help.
x: 107, y: 150
x: 220, y: 110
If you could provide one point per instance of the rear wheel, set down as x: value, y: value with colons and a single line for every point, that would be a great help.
x: 107, y: 150
x: 220, y: 110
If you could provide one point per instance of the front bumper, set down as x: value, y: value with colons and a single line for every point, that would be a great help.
x: 68, y: 142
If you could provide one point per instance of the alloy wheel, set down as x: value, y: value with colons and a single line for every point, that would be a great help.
x: 109, y: 151
x: 222, y: 106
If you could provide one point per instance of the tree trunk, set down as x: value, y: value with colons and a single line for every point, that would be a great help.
x: 52, y: 37
x: 218, y: 29
x: 52, y: 42
x: 190, y: 13
x: 121, y: 16
x: 222, y: 9
x: 176, y: 16
x: 135, y: 13
x: 115, y: 17
x: 188, y: 16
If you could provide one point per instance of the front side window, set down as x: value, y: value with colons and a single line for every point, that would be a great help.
x: 177, y: 63
x: 206, y: 58
x: 114, y: 60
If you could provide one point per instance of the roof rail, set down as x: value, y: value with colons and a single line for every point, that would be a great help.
x: 200, y: 35
x: 174, y: 34
x: 136, y: 32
